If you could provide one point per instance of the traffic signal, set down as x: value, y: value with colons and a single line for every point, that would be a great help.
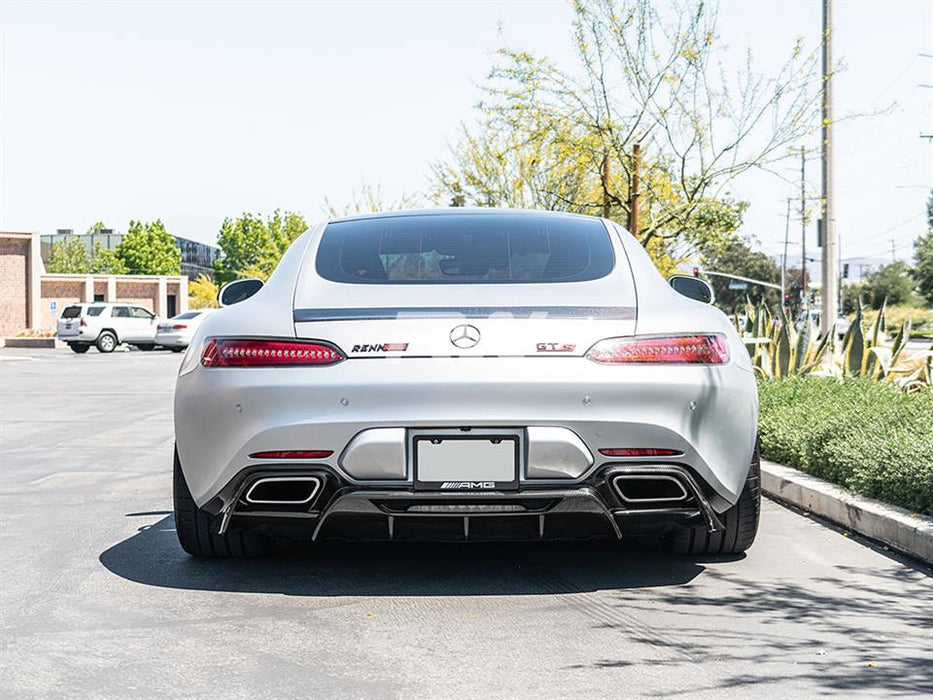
x: 845, y: 271
x: 696, y: 272
x: 787, y: 300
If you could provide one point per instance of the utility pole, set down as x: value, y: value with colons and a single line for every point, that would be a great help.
x: 606, y: 203
x: 633, y: 191
x: 784, y: 257
x: 830, y: 294
x: 803, y: 227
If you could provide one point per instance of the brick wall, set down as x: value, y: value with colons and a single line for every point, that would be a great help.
x: 63, y: 292
x: 144, y: 294
x: 14, y: 285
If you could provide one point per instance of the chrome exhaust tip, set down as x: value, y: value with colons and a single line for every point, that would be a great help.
x: 283, y: 490
x: 649, y: 488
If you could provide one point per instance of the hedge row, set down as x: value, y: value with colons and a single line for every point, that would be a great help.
x: 860, y: 434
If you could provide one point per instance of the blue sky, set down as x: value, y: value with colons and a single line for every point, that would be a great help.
x: 196, y: 111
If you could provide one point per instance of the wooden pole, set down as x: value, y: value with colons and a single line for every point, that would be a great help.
x: 606, y: 203
x: 634, y: 191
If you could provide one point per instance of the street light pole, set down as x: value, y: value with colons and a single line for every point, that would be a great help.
x: 830, y: 294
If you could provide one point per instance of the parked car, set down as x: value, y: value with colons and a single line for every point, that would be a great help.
x: 106, y: 326
x: 466, y: 375
x: 176, y: 333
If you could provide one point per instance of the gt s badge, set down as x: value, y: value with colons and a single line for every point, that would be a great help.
x: 381, y: 347
x: 556, y: 347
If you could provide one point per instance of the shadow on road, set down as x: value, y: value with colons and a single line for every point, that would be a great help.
x: 153, y: 557
x: 861, y: 629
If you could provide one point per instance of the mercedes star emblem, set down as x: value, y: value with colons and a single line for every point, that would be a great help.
x: 464, y: 336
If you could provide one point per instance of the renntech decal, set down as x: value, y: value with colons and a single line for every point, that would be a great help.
x: 556, y: 347
x: 381, y: 347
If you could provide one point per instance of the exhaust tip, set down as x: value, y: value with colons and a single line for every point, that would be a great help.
x: 283, y: 490
x: 649, y: 488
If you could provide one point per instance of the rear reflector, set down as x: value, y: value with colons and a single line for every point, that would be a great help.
x: 230, y: 352
x: 707, y: 349
x: 293, y: 454
x: 637, y: 452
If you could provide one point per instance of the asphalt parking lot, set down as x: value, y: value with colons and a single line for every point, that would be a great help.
x: 98, y: 600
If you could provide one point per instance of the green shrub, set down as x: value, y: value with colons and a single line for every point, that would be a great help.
x: 861, y: 434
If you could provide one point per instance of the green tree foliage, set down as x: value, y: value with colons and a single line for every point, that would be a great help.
x: 252, y: 247
x: 737, y: 258
x: 923, y: 257
x: 202, y: 293
x: 148, y: 249
x: 105, y: 262
x: 96, y: 227
x: 646, y: 73
x: 892, y: 284
x: 68, y: 256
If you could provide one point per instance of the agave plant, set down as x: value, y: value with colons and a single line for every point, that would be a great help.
x: 777, y: 348
x: 780, y: 350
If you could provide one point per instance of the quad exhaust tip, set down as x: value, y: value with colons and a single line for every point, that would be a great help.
x: 649, y: 488
x: 283, y: 490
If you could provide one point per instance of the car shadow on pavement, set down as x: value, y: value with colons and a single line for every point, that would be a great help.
x: 153, y: 557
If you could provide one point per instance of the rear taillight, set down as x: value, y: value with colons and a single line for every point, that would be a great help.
x: 293, y: 454
x: 229, y: 352
x: 637, y: 452
x: 179, y: 326
x: 705, y: 349
x: 83, y: 322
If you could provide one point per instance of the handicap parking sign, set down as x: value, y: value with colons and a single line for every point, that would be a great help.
x: 53, y: 306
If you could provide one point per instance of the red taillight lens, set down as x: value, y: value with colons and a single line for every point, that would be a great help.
x: 293, y: 454
x: 229, y: 352
x: 706, y: 349
x: 179, y: 326
x: 83, y: 323
x: 637, y: 452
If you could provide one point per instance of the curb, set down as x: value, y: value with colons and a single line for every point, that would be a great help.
x: 35, y: 343
x: 900, y: 529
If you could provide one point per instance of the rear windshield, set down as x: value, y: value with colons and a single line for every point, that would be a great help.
x: 186, y: 316
x: 71, y: 312
x: 465, y: 249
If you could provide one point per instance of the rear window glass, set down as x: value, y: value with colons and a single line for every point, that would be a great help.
x: 95, y: 310
x: 71, y: 312
x: 465, y: 249
x: 186, y: 316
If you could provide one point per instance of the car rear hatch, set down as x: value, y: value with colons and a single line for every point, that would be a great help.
x: 508, y: 284
x: 69, y: 323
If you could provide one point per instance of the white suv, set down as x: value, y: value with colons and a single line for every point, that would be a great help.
x: 106, y: 326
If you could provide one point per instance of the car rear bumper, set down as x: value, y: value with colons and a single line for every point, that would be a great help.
x: 173, y: 340
x: 707, y: 414
x: 595, y: 508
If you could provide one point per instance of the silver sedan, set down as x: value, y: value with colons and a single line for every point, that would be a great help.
x: 466, y: 375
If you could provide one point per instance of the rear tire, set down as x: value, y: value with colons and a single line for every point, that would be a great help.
x: 174, y: 349
x: 79, y: 348
x: 196, y: 532
x: 740, y: 521
x: 106, y: 342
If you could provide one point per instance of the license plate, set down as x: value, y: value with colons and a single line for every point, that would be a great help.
x: 465, y: 463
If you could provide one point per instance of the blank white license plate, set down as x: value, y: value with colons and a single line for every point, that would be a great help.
x: 475, y: 463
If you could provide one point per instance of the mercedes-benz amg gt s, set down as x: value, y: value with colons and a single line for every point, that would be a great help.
x: 466, y: 375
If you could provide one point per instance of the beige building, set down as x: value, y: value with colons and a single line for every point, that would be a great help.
x: 31, y: 298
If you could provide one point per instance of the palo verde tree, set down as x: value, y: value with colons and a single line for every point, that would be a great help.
x: 561, y: 137
x: 148, y: 249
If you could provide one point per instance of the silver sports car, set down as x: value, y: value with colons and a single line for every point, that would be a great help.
x: 466, y: 375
